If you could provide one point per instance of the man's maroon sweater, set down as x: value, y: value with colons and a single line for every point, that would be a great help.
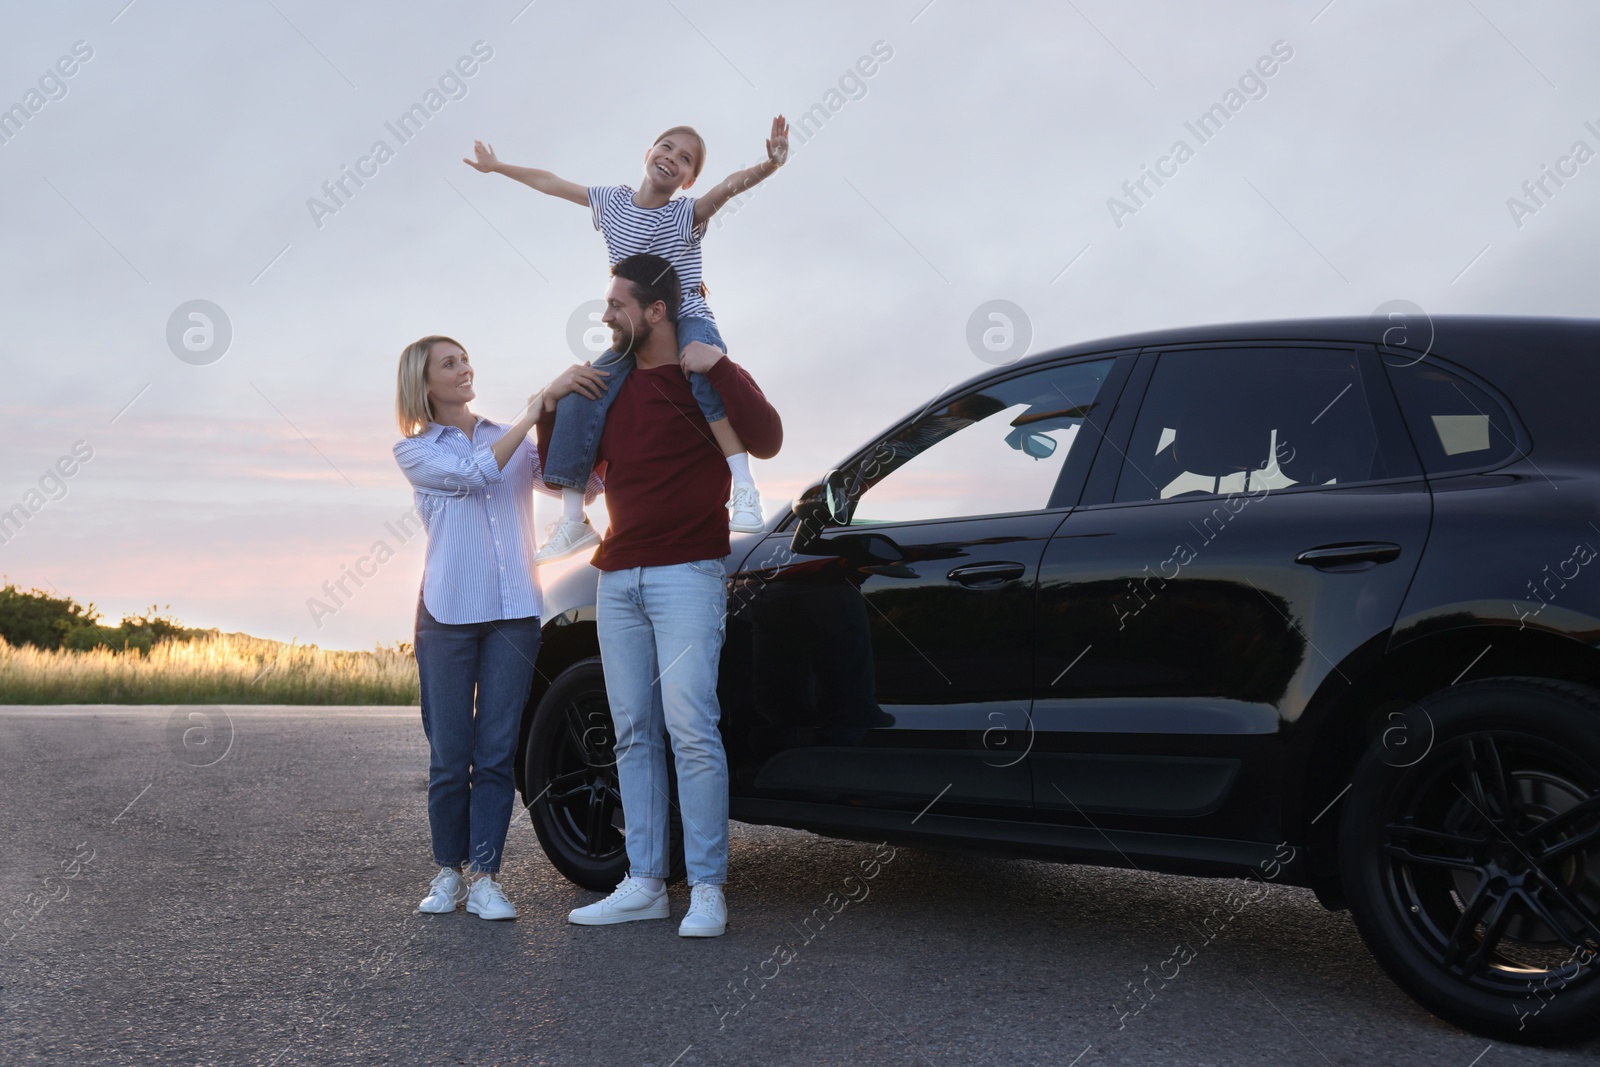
x: 666, y: 480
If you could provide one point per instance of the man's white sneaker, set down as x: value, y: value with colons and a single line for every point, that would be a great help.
x: 744, y: 510
x: 563, y: 538
x: 629, y: 901
x: 445, y: 893
x: 487, y: 900
x: 708, y: 913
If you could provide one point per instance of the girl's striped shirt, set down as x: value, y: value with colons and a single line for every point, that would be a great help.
x: 668, y: 231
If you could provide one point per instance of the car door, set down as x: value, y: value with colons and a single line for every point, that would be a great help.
x: 891, y: 665
x: 1255, y: 527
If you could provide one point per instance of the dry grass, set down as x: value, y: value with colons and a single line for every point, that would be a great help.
x: 215, y: 668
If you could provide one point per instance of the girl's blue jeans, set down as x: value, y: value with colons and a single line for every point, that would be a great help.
x: 575, y: 441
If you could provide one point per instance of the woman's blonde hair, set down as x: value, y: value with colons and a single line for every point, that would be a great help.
x: 411, y: 407
x: 699, y: 157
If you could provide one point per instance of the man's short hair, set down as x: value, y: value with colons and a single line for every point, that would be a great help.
x: 651, y: 278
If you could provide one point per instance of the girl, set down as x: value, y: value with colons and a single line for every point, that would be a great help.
x: 649, y: 220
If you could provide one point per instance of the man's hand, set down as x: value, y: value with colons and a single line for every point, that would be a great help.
x: 778, y: 143
x: 579, y: 378
x: 486, y: 162
x: 698, y: 358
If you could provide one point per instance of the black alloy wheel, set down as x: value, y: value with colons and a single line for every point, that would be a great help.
x: 1473, y: 870
x: 570, y: 777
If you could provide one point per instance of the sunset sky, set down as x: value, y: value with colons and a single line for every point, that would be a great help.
x: 985, y: 157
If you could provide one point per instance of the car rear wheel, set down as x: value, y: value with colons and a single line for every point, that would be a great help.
x: 570, y: 774
x: 1473, y: 869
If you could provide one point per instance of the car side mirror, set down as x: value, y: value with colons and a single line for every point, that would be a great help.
x: 811, y: 518
x: 868, y: 548
x: 819, y: 507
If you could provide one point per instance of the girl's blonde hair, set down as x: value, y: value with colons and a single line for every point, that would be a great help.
x: 700, y: 156
x: 411, y: 407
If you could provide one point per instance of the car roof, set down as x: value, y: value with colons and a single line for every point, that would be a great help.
x: 1454, y: 331
x: 1495, y: 347
x: 1518, y: 356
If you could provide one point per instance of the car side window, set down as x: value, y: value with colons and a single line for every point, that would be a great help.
x: 1216, y: 421
x: 996, y: 450
x: 1456, y: 425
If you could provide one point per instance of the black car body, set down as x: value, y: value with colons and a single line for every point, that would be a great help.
x: 1244, y: 600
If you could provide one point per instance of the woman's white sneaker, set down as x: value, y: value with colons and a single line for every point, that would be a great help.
x: 629, y: 901
x: 446, y: 892
x: 708, y: 913
x: 487, y: 900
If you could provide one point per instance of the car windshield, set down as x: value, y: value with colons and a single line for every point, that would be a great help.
x: 998, y: 450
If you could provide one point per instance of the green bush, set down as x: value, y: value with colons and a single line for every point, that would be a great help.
x: 51, y: 623
x: 35, y: 618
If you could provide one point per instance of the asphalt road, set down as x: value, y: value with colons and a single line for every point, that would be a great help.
x: 250, y: 900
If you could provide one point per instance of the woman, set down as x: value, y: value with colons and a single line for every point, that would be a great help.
x: 478, y: 614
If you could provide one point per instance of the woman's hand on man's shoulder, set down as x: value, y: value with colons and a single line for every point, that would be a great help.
x: 579, y: 378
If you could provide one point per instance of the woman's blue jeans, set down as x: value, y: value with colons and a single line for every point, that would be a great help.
x: 475, y: 683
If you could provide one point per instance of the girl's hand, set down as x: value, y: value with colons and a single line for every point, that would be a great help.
x: 486, y: 161
x: 778, y: 143
x: 698, y: 358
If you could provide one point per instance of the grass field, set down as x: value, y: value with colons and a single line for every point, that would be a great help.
x: 214, y: 668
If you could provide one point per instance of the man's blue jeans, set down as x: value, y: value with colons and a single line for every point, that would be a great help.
x: 470, y: 785
x: 575, y: 441
x: 661, y: 631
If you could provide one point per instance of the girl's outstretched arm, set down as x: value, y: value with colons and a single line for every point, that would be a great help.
x: 541, y: 180
x: 740, y: 180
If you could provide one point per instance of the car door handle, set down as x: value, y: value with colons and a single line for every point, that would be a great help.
x: 987, y: 573
x: 1355, y: 556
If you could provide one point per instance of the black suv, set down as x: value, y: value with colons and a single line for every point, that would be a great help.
x: 1305, y: 601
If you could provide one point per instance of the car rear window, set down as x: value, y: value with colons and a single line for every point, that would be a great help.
x: 1456, y: 424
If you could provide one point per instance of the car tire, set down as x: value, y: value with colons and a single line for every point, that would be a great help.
x: 1470, y: 854
x: 570, y: 776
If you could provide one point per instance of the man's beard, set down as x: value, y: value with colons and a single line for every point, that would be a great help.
x: 632, y: 340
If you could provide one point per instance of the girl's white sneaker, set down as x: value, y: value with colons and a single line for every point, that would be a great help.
x: 563, y: 538
x: 744, y: 510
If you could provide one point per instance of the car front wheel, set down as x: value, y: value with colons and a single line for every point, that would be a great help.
x: 570, y: 776
x: 1471, y: 857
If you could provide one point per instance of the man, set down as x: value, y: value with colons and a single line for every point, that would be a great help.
x: 662, y: 599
